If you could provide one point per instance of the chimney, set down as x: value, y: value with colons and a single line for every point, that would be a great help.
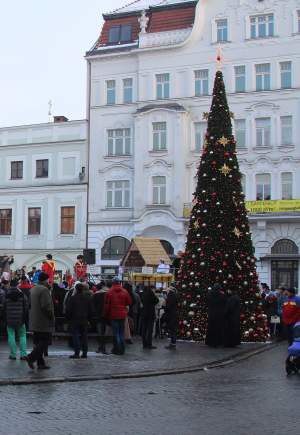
x: 57, y: 119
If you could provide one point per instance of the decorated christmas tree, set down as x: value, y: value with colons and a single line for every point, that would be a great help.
x: 219, y: 247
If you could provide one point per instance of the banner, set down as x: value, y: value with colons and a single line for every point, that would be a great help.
x: 279, y: 206
x: 275, y: 206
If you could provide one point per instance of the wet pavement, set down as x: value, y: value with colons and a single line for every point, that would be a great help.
x: 135, y: 361
x: 253, y: 397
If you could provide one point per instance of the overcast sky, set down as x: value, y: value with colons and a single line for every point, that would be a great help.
x: 42, y: 47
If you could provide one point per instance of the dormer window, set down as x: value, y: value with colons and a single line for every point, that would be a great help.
x: 120, y: 34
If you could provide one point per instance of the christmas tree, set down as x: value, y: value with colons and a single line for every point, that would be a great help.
x: 219, y: 247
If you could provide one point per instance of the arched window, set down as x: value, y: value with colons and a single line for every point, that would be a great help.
x: 168, y: 247
x: 285, y: 247
x: 114, y: 248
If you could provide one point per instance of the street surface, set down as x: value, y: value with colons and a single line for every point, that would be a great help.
x: 253, y: 397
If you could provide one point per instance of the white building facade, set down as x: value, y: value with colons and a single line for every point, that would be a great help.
x: 43, y: 192
x: 151, y: 75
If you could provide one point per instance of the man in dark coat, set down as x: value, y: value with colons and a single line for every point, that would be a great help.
x: 232, y: 328
x: 171, y: 310
x: 216, y: 309
x: 79, y: 313
x: 16, y: 314
x: 41, y: 321
x: 149, y: 300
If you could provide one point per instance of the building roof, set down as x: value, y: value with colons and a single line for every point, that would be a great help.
x: 140, y: 5
x: 162, y: 16
x: 150, y: 249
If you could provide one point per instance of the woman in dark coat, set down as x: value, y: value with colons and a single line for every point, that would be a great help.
x: 216, y: 311
x: 172, y: 316
x: 232, y: 328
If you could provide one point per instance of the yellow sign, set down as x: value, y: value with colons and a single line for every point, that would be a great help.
x: 279, y: 206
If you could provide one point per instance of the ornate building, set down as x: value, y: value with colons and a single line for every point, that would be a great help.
x: 150, y: 77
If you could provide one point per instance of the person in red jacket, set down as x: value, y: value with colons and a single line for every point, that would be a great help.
x: 291, y: 312
x: 80, y: 269
x: 117, y: 301
x: 48, y: 266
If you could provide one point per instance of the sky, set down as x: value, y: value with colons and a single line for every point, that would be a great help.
x: 42, y: 48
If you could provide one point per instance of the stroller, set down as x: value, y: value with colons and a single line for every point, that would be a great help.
x: 292, y: 364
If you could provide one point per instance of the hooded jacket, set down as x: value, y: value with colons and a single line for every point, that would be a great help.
x: 16, y: 307
x: 116, y: 302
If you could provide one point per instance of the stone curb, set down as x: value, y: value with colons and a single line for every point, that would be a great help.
x: 145, y: 374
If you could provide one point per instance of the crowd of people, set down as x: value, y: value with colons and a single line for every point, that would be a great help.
x: 282, y: 308
x: 40, y: 299
x: 37, y: 299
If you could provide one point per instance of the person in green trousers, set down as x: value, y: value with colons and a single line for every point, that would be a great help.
x: 16, y: 314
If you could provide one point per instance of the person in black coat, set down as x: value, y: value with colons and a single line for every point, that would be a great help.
x: 232, y: 327
x: 216, y: 310
x: 171, y: 316
x: 80, y: 312
x: 98, y: 306
x: 149, y: 300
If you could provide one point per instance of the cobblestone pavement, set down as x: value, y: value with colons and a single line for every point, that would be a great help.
x: 135, y: 360
x: 253, y: 397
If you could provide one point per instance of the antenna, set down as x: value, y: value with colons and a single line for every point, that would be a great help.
x: 50, y: 104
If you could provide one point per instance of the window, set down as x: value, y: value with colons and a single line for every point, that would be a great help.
x: 67, y: 220
x: 200, y: 132
x: 159, y: 190
x: 114, y: 248
x: 287, y: 185
x: 262, y: 26
x: 34, y: 221
x: 127, y: 90
x: 240, y: 133
x: 120, y: 34
x: 110, y: 92
x: 263, y: 132
x: 159, y: 136
x: 263, y: 77
x: 162, y: 86
x: 119, y: 141
x: 117, y: 194
x: 263, y: 187
x: 201, y: 82
x: 285, y: 247
x: 286, y: 130
x: 5, y: 221
x: 16, y: 170
x: 42, y: 168
x: 286, y: 75
x: 222, y: 30
x: 240, y: 78
x: 298, y: 21
x: 243, y: 183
